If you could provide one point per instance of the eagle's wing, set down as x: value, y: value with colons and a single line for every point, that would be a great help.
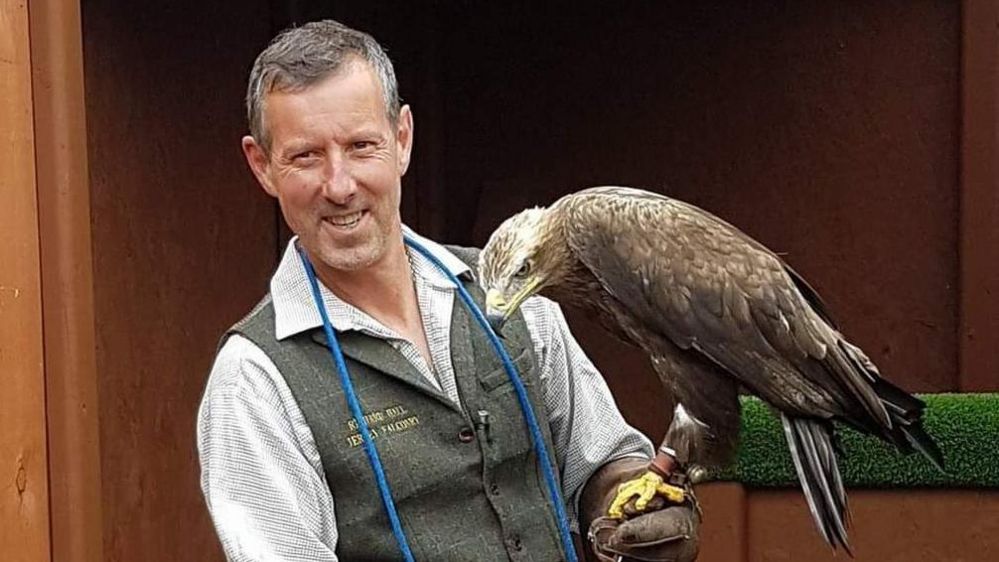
x: 702, y: 283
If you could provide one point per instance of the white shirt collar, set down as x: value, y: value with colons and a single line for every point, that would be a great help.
x: 294, y: 307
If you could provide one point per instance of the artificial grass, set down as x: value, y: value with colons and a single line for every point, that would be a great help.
x: 965, y: 426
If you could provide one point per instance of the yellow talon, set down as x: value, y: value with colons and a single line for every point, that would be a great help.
x: 674, y: 494
x: 645, y: 488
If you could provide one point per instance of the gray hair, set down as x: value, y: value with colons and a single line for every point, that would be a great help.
x: 303, y: 56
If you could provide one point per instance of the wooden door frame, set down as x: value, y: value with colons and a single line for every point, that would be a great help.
x: 74, y: 526
x: 24, y: 493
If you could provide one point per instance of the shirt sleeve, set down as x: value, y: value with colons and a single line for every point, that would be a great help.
x: 261, y: 474
x: 588, y: 430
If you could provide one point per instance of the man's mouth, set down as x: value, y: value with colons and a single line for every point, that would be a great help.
x: 346, y: 221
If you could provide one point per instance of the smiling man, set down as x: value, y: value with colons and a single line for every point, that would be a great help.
x: 284, y: 472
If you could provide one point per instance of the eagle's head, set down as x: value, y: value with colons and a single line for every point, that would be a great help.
x: 520, y: 259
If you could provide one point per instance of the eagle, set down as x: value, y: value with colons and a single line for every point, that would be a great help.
x: 717, y: 312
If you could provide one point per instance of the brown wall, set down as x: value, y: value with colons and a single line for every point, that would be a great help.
x: 827, y: 130
x: 886, y: 526
x: 183, y: 244
x: 979, y: 317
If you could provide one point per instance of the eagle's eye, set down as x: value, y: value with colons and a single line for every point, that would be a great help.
x: 524, y: 270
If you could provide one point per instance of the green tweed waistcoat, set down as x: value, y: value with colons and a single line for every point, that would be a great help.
x: 466, y: 482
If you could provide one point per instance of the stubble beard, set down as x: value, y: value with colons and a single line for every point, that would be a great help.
x: 352, y: 258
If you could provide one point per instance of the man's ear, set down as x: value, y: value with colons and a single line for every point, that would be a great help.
x: 404, y: 138
x: 259, y: 162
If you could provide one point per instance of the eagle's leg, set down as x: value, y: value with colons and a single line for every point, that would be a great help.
x: 668, y: 476
x: 702, y: 436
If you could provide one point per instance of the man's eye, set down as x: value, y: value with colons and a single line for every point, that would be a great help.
x: 306, y: 155
x: 361, y: 145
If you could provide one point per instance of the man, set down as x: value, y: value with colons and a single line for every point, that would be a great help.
x: 283, y: 469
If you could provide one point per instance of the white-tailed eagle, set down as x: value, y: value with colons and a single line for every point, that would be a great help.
x: 715, y: 310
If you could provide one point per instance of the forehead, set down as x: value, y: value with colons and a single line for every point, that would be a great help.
x: 344, y: 101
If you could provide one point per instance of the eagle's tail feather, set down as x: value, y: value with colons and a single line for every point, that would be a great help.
x: 812, y: 448
x: 922, y: 442
x: 905, y: 411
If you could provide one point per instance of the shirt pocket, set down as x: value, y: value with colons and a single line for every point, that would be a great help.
x: 498, y: 381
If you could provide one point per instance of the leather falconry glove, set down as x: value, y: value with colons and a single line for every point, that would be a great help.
x: 656, y: 532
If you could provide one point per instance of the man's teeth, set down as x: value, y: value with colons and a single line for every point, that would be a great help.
x: 346, y: 220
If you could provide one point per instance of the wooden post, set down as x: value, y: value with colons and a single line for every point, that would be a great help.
x: 67, y: 280
x: 24, y: 487
x: 978, y: 346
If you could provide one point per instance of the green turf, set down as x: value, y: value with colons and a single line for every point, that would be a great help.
x: 966, y: 426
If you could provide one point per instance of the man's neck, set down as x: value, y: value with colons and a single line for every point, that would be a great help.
x: 384, y: 290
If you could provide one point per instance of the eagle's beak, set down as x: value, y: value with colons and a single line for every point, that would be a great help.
x: 496, y: 310
x: 496, y: 320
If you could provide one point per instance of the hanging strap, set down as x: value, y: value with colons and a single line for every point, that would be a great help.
x: 355, y: 410
x: 541, y: 451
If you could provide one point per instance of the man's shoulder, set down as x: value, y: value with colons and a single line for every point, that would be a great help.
x: 251, y: 327
x: 238, y: 363
x: 468, y: 254
x: 260, y: 311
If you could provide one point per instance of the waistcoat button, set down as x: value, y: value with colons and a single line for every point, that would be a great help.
x: 494, y: 489
x: 466, y: 435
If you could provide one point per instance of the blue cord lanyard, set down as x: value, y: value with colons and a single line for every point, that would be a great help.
x: 540, y: 450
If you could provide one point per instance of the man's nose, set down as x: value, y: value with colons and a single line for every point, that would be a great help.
x: 338, y: 185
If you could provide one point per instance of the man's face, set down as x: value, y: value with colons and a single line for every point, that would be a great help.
x: 335, y: 165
